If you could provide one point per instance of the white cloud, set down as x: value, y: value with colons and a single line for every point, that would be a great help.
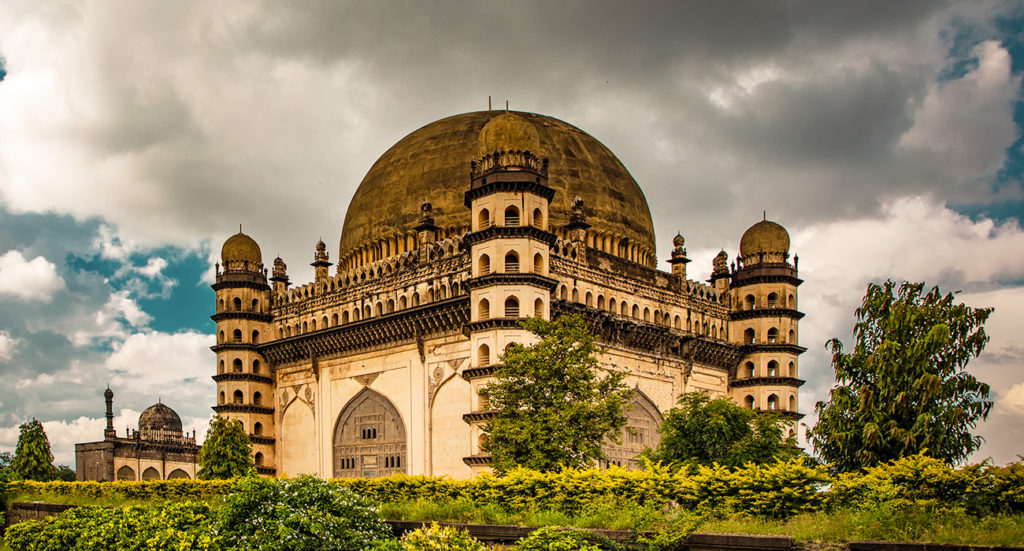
x: 151, y: 361
x: 24, y: 279
x: 7, y: 345
x: 154, y: 267
x: 1013, y: 400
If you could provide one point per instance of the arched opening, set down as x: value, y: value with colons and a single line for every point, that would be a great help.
x: 773, y: 368
x: 538, y: 219
x: 512, y: 216
x: 236, y: 336
x: 575, y: 295
x: 483, y: 355
x: 538, y: 264
x: 415, y: 299
x: 238, y: 397
x: 641, y: 431
x: 792, y: 301
x: 748, y: 369
x: 237, y: 304
x: 126, y: 473
x: 257, y: 399
x: 236, y: 365
x: 677, y: 322
x: 792, y: 337
x: 773, y: 402
x: 255, y: 366
x: 600, y: 302
x: 511, y: 307
x: 334, y: 319
x: 150, y: 474
x: 430, y: 294
x: 378, y: 309
x: 625, y: 309
x: 748, y: 336
x: 538, y: 308
x: 220, y: 400
x: 623, y: 248
x: 220, y: 338
x: 368, y: 429
x: 258, y: 459
x: 564, y: 293
x: 305, y: 327
x: 178, y: 474
x: 344, y: 317
x: 255, y: 307
x: 792, y: 402
x: 323, y: 323
x: 512, y: 262
x: 714, y: 331
x: 255, y: 337
x: 748, y: 302
x: 403, y: 302
x: 220, y: 367
x: 773, y: 300
x: 257, y: 428
x: 792, y: 369
x: 312, y: 325
x: 589, y: 299
x: 636, y: 311
x: 483, y: 219
x: 749, y: 401
x: 647, y: 314
x: 611, y: 305
x: 366, y: 311
x: 220, y: 305
x: 773, y: 335
x: 390, y: 306
x: 484, y: 265
x: 484, y: 309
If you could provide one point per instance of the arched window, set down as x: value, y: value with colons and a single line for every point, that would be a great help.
x: 511, y: 262
x: 483, y: 355
x: 402, y: 302
x: 220, y: 305
x: 773, y: 402
x: 714, y: 331
x: 415, y: 299
x: 484, y: 264
x: 378, y: 309
x: 236, y: 365
x: 255, y: 366
x: 636, y: 311
x: 511, y: 307
x: 792, y: 369
x: 125, y: 473
x: 257, y: 399
x: 150, y: 474
x: 575, y: 295
x: 430, y: 294
x: 220, y: 368
x: 773, y: 335
x: 258, y: 459
x: 512, y: 216
x: 255, y: 305
x: 484, y: 309
x: 792, y: 402
x: 538, y: 264
x: 366, y: 311
x: 344, y: 317
x: 748, y: 369
x: 589, y: 299
x: 255, y: 337
x: 288, y: 330
x: 238, y: 396
x: 773, y: 300
x: 677, y: 322
x: 749, y: 401
x: 538, y: 219
x: 484, y: 401
x: 236, y: 335
x: 220, y: 339
x: 484, y: 219
x: 312, y: 324
x: 647, y: 314
x: 611, y: 305
x: 220, y: 400
x: 564, y: 294
x: 305, y: 327
x: 792, y: 337
x: 390, y: 306
x: 334, y: 320
x: 600, y: 302
x: 792, y: 302
x: 625, y: 309
x: 323, y: 322
x: 748, y: 302
x: 257, y: 428
x: 538, y: 308
x: 773, y: 368
x: 237, y: 303
x: 623, y: 248
x: 748, y: 336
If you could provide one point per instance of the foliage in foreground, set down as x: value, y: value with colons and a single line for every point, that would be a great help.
x: 433, y: 537
x: 704, y: 431
x: 226, y: 452
x: 554, y: 408
x: 904, y: 389
x: 33, y: 459
x: 557, y: 538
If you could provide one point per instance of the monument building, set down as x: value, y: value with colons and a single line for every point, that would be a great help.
x: 458, y: 232
x: 158, y: 450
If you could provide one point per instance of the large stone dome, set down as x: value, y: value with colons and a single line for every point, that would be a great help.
x: 241, y: 247
x: 432, y: 164
x: 764, y: 237
x: 159, y: 417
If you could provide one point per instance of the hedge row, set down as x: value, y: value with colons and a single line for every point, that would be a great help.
x: 776, y: 491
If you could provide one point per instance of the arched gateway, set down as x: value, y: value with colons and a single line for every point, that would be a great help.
x: 369, y: 438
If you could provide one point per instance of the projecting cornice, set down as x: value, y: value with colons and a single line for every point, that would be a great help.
x: 766, y: 313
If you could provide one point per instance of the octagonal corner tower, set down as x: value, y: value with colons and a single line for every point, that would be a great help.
x: 433, y: 164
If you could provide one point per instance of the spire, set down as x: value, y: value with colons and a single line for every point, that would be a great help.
x: 108, y: 395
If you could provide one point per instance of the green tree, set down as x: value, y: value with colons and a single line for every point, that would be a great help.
x: 33, y: 459
x: 904, y: 389
x: 227, y: 451
x: 555, y: 405
x: 702, y: 431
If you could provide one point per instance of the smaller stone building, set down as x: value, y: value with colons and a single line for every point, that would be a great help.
x: 158, y: 450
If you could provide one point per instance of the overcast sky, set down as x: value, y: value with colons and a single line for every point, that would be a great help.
x: 136, y: 136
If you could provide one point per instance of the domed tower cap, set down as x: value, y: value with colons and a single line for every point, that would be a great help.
x: 764, y: 237
x: 508, y: 132
x: 159, y: 417
x: 241, y: 247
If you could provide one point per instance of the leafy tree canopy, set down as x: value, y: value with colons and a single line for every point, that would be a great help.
x: 702, y: 431
x: 555, y: 405
x: 33, y: 459
x: 904, y: 389
x: 227, y: 451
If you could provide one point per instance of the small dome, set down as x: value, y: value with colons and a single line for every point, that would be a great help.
x: 508, y: 132
x: 159, y: 417
x: 241, y: 247
x: 108, y: 393
x: 764, y: 237
x: 678, y: 240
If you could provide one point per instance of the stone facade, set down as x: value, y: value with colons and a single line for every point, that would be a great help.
x: 378, y: 368
x: 159, y: 450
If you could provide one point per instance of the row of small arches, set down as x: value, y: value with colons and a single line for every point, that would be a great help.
x: 511, y: 310
x: 772, y: 336
x: 483, y: 357
x: 772, y: 403
x: 511, y: 263
x: 128, y: 473
x: 237, y: 305
x: 388, y: 247
x: 510, y: 217
x: 715, y: 329
x: 772, y: 369
x: 238, y: 398
x: 619, y: 246
x: 237, y: 336
x: 772, y: 300
x: 237, y: 366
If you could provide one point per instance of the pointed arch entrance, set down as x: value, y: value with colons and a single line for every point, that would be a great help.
x: 369, y: 438
x: 643, y: 422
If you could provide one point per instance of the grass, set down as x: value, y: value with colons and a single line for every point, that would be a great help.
x: 889, y: 523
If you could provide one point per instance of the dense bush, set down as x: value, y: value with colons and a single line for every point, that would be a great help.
x: 433, y: 537
x: 557, y: 538
x: 156, y: 490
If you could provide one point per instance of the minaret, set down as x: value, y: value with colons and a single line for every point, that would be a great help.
x: 245, y: 387
x: 679, y: 260
x: 765, y: 322
x: 509, y: 250
x: 108, y: 395
x: 320, y: 264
